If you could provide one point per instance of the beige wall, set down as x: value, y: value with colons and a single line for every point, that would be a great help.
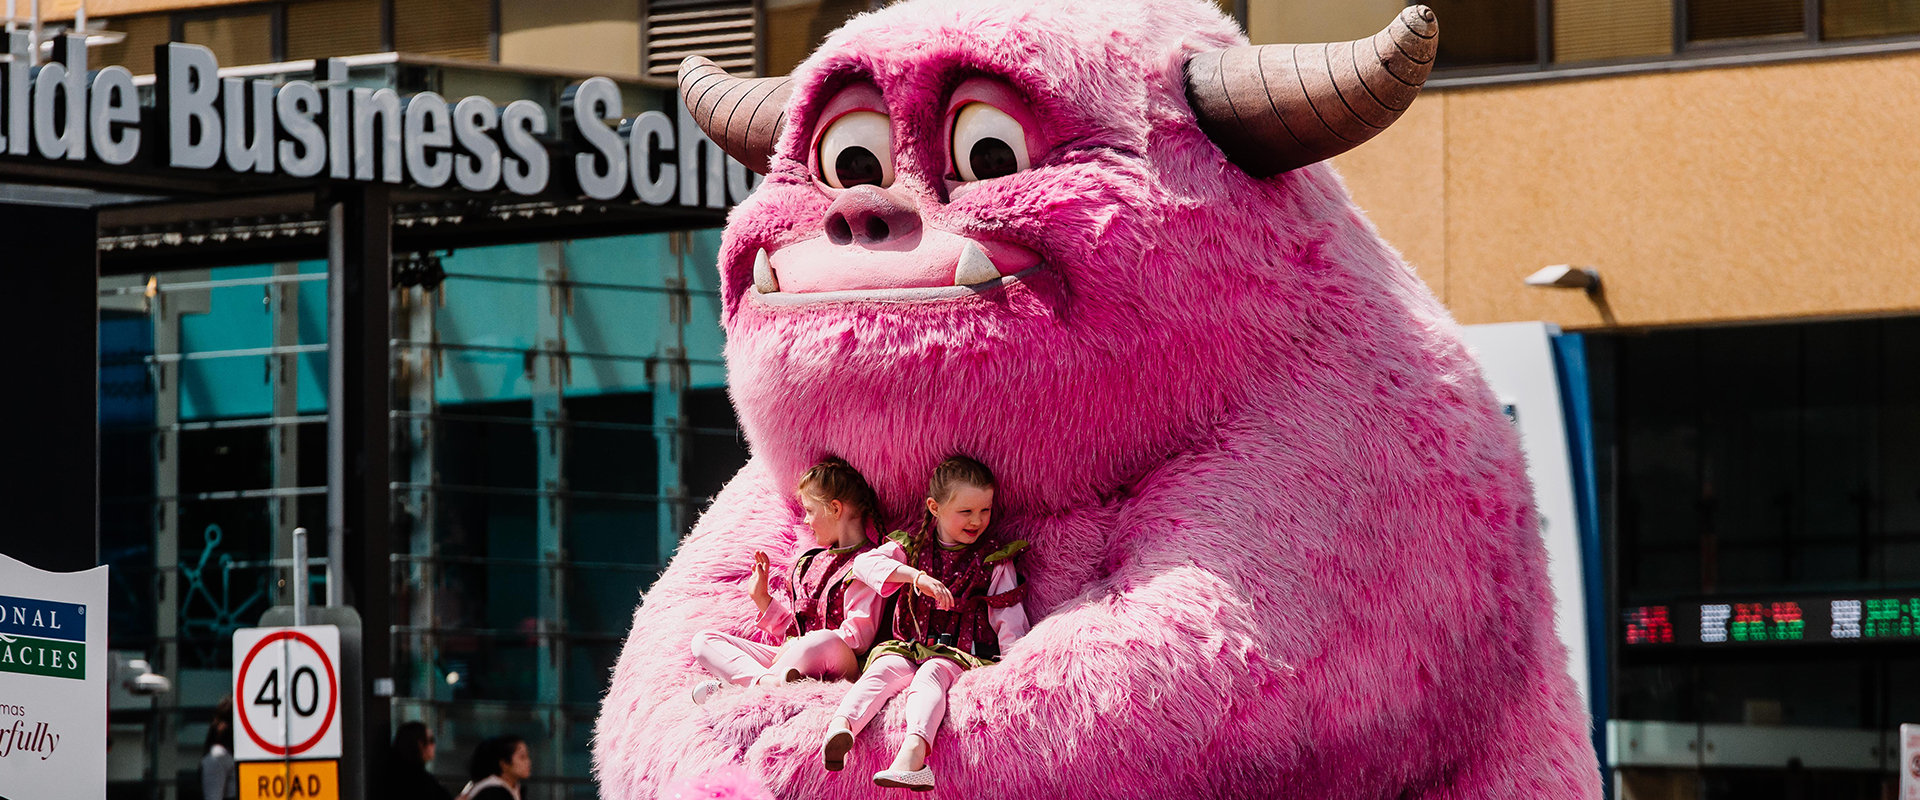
x: 1276, y: 21
x: 1707, y: 196
x: 597, y: 36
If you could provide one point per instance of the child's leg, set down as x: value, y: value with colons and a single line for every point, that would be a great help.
x: 732, y: 659
x: 820, y: 654
x: 884, y: 678
x: 926, y: 698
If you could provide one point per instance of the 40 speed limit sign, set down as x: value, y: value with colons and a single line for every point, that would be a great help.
x: 286, y: 693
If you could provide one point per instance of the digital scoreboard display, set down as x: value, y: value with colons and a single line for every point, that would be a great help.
x: 1824, y: 620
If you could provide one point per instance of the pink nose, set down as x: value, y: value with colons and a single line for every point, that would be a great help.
x: 869, y: 215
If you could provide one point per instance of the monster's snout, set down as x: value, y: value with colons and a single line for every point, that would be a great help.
x: 871, y: 217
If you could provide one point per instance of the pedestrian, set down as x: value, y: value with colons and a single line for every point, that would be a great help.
x: 219, y: 779
x: 409, y: 765
x: 498, y: 767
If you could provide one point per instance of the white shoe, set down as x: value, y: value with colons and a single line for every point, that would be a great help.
x: 920, y: 780
x: 834, y: 752
x: 704, y: 690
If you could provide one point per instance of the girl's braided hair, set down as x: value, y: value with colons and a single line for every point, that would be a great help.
x: 951, y: 473
x: 834, y: 479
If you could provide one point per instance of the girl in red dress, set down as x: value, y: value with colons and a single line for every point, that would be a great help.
x: 823, y: 619
x: 965, y: 611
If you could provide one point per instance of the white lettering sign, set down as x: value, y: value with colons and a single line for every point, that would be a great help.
x: 304, y: 129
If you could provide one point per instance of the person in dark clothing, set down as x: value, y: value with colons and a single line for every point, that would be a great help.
x: 408, y: 762
x: 498, y: 768
x: 219, y: 779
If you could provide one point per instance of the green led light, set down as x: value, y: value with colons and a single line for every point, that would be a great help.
x: 1890, y: 617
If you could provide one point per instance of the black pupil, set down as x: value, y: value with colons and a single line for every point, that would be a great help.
x: 857, y: 165
x: 992, y: 158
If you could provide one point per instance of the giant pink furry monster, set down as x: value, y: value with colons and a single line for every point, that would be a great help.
x: 1284, y: 545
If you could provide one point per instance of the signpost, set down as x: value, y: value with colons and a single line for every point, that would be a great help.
x: 287, y: 715
x: 1909, y: 766
x: 53, y: 682
x: 287, y: 688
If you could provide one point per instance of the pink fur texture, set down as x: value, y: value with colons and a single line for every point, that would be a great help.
x: 1284, y: 545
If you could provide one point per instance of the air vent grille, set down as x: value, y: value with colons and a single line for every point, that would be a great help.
x: 722, y: 30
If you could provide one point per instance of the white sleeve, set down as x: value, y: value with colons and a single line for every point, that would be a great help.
x: 1010, y: 623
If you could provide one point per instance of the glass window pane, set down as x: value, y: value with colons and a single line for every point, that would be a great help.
x: 1719, y: 20
x: 136, y: 51
x: 1483, y: 33
x: 794, y: 29
x: 450, y: 28
x: 236, y: 40
x: 1850, y: 19
x: 333, y: 28
x: 1590, y: 30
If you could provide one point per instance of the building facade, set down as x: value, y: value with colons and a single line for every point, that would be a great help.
x: 1738, y: 173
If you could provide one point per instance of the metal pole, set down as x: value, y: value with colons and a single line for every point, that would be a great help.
x: 336, y: 399
x: 299, y: 581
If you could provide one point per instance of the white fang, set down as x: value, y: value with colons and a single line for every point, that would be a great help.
x: 763, y: 280
x: 974, y: 267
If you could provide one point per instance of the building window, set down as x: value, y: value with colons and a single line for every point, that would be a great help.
x: 1483, y: 33
x: 1739, y: 21
x: 561, y: 421
x: 330, y: 28
x: 1752, y: 464
x: 135, y: 52
x: 446, y: 28
x: 250, y: 36
x: 1593, y: 30
x: 1854, y: 19
x: 1508, y: 33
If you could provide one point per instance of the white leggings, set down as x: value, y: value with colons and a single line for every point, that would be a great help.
x: 739, y: 661
x: 926, y: 692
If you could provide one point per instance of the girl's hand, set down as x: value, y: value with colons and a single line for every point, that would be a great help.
x: 929, y: 586
x: 758, y: 589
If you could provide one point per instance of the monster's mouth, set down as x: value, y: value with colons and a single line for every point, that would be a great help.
x: 927, y: 265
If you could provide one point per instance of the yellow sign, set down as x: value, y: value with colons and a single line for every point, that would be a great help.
x: 286, y: 780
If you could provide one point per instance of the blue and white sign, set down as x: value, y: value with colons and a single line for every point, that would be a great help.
x: 53, y: 682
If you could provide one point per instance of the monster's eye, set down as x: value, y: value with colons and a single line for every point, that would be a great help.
x: 987, y: 143
x: 857, y: 149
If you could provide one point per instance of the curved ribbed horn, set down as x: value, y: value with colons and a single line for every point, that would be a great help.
x: 1279, y: 107
x: 742, y: 115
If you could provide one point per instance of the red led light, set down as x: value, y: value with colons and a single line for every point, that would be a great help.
x: 1649, y: 625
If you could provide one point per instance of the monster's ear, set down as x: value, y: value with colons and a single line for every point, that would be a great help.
x: 742, y: 115
x: 1279, y: 107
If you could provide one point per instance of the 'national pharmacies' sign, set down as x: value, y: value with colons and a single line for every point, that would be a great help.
x: 53, y: 682
x: 63, y: 111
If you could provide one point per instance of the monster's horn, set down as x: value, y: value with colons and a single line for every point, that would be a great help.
x: 1274, y: 108
x: 742, y: 115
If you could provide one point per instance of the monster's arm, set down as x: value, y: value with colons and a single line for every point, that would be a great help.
x: 1148, y: 669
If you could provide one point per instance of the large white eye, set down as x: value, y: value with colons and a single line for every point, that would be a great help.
x: 857, y: 149
x: 987, y: 143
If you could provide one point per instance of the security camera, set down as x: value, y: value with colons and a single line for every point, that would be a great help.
x: 142, y: 681
x: 1565, y: 276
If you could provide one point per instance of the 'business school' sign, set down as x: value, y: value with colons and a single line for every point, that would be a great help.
x: 327, y: 130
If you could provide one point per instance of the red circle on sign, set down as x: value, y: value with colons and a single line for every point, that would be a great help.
x: 333, y: 694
